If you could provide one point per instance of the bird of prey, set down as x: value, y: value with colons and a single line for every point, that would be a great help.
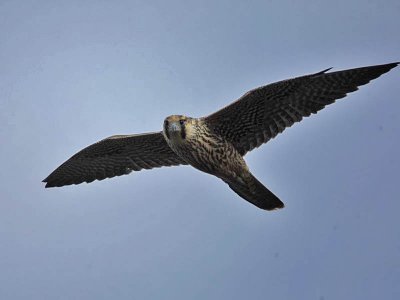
x: 217, y: 143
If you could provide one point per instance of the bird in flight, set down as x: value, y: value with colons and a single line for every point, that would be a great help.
x: 216, y: 144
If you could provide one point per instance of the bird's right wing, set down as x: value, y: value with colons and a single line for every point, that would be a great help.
x: 115, y: 156
x: 262, y: 113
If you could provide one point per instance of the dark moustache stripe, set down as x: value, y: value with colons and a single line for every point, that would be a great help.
x: 183, y: 132
x: 166, y: 129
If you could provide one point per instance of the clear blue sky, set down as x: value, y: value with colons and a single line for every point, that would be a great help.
x: 74, y: 72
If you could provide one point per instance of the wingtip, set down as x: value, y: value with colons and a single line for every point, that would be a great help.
x: 393, y: 65
x: 378, y: 70
x: 47, y: 183
x: 387, y: 67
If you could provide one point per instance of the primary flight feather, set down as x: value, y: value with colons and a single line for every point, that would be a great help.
x: 217, y: 143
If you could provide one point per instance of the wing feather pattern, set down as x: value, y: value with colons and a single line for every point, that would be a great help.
x: 264, y: 112
x: 114, y: 156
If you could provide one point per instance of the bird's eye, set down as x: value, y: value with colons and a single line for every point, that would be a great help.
x: 181, y: 122
x: 166, y: 123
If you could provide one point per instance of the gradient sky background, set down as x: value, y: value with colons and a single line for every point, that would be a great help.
x: 74, y: 72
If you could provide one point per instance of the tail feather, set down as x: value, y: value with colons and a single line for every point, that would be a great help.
x: 255, y: 192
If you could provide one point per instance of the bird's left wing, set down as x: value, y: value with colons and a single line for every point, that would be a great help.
x: 115, y: 156
x: 262, y: 113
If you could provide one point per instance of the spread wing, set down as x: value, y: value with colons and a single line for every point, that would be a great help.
x: 262, y: 113
x: 115, y: 156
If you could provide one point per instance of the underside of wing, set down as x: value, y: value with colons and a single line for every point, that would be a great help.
x: 262, y: 113
x: 115, y: 156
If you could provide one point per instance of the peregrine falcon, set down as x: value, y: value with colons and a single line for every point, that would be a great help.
x: 217, y: 143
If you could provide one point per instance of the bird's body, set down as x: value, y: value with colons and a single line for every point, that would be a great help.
x: 216, y: 144
x: 199, y: 146
x: 202, y: 148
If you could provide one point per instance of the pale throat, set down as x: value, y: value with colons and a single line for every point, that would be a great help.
x: 182, y: 136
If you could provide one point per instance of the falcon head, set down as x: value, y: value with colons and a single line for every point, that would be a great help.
x: 179, y: 128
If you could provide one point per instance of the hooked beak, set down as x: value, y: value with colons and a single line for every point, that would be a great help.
x: 175, y: 127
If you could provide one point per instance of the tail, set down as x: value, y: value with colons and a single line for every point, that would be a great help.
x: 250, y: 189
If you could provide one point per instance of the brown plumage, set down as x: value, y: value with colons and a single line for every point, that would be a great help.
x: 217, y: 143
